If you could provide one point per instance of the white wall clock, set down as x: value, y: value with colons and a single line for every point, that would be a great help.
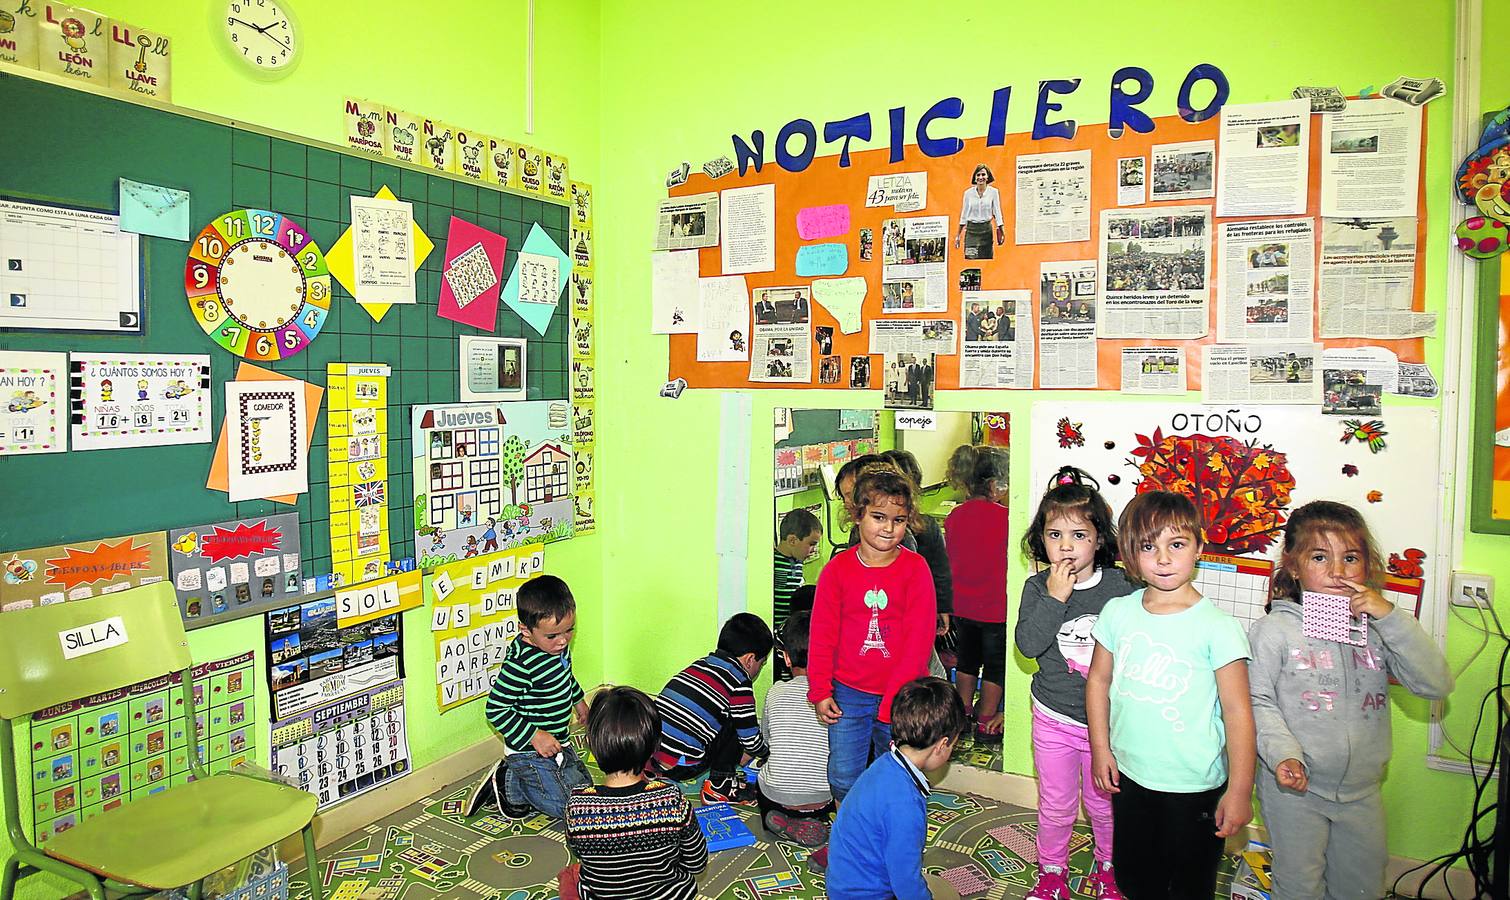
x: 264, y: 35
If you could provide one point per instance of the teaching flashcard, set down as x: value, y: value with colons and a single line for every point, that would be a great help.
x: 556, y: 177
x: 438, y: 150
x: 471, y: 154
x: 492, y: 368
x: 490, y: 477
x: 358, y: 458
x: 502, y: 163
x: 260, y: 554
x: 346, y: 748
x: 18, y: 45
x: 92, y: 755
x: 382, y: 242
x: 65, y: 268
x: 581, y: 204
x: 535, y: 285
x: 133, y: 400
x: 80, y: 569
x: 74, y: 43
x: 581, y: 247
x: 472, y: 274
x: 473, y: 622
x: 366, y: 126
x: 402, y: 136
x: 141, y: 62
x: 266, y: 424
x: 312, y: 660
x: 531, y: 177
x: 33, y: 387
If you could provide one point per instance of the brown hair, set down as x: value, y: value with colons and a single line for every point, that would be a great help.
x: 1146, y: 517
x: 1312, y: 520
x: 974, y: 470
x: 924, y: 711
x: 878, y: 482
x: 1073, y: 494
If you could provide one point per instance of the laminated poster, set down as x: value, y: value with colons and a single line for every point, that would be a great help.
x: 134, y: 400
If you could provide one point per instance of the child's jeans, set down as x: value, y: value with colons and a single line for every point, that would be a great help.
x: 1062, y: 753
x: 855, y: 739
x: 529, y: 778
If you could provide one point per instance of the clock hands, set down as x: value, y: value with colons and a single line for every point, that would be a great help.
x: 271, y: 38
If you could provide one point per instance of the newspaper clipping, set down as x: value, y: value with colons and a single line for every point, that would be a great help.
x: 1371, y: 159
x: 912, y: 336
x: 1183, y: 171
x: 1266, y: 280
x: 1067, y: 324
x: 723, y: 315
x: 1130, y: 181
x: 916, y: 251
x: 749, y: 229
x: 782, y: 347
x: 1054, y: 197
x: 1266, y: 152
x: 1155, y: 266
x: 1153, y: 370
x: 909, y: 380
x: 1261, y: 373
x: 1368, y: 269
x: 902, y: 191
x: 998, y: 347
x: 685, y: 223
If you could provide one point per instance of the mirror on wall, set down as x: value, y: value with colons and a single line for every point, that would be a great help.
x: 958, y: 469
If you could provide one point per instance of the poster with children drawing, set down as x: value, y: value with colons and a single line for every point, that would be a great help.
x: 490, y: 476
x: 1249, y: 468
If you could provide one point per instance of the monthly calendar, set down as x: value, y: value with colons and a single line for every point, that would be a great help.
x: 68, y: 268
x: 1237, y: 584
x: 345, y: 748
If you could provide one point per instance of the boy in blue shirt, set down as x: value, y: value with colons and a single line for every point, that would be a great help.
x: 877, y: 846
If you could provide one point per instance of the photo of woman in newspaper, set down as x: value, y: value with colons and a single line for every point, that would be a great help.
x: 979, y: 211
x: 909, y: 380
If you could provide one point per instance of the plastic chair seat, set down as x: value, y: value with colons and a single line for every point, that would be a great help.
x: 184, y: 833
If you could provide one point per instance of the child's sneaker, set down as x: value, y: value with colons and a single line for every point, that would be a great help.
x: 817, y: 861
x: 485, y: 792
x: 1051, y: 886
x: 802, y: 832
x: 728, y: 791
x: 1103, y: 884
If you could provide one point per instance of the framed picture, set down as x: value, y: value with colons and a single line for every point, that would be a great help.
x: 1490, y: 502
x: 492, y: 368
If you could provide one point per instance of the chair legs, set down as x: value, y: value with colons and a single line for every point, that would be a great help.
x: 196, y: 890
x: 312, y: 864
x: 8, y: 878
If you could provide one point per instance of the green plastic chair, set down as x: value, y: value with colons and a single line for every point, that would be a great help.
x: 171, y: 839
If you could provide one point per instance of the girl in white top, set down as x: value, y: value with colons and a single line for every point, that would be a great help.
x: 980, y: 208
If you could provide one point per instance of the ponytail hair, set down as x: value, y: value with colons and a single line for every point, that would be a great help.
x: 1077, y: 495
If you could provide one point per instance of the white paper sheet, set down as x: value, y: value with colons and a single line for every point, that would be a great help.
x: 842, y: 297
x: 723, y: 319
x: 747, y: 218
x: 1265, y: 159
x: 265, y: 424
x: 673, y: 292
x: 1371, y: 159
x: 382, y: 250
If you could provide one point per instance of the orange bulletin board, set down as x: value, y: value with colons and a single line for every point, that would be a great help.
x: 1013, y: 268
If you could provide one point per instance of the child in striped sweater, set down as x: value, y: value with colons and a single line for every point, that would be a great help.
x: 636, y: 838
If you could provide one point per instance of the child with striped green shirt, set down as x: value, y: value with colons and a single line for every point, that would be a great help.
x: 531, y: 707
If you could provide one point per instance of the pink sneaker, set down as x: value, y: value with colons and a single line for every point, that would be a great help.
x: 1051, y: 886
x: 1103, y: 883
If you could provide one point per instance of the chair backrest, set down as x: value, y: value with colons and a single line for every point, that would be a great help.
x: 65, y: 651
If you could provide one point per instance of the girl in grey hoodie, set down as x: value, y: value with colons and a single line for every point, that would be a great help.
x: 1322, y: 709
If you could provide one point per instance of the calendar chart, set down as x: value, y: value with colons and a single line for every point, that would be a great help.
x: 1236, y: 584
x: 68, y: 268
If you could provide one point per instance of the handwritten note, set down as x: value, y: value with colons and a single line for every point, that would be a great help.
x: 817, y: 222
x: 842, y: 298
x: 822, y: 259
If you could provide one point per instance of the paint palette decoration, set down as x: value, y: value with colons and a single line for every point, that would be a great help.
x: 257, y: 284
x: 1329, y: 617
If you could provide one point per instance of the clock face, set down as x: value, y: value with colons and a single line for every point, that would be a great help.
x: 262, y: 34
x: 257, y: 284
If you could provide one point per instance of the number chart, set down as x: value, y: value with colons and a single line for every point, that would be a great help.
x: 257, y: 284
x: 135, y: 400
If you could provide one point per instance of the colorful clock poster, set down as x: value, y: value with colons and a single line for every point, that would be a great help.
x: 473, y: 617
x: 228, y: 570
x: 32, y: 386
x: 81, y: 569
x: 358, y: 459
x: 471, y: 276
x: 489, y: 477
x: 257, y: 284
x: 133, y: 400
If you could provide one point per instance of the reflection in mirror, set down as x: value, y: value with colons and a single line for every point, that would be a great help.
x: 954, y: 476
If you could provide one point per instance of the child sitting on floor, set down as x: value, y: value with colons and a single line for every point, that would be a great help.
x: 795, y: 799
x: 708, y: 721
x: 636, y: 838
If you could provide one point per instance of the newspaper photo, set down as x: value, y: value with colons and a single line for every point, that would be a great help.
x: 917, y: 250
x: 781, y: 349
x: 1067, y: 324
x: 1154, y: 266
x: 1266, y: 154
x: 1378, y: 366
x: 1131, y: 189
x: 723, y: 319
x: 998, y: 348
x: 1416, y: 380
x: 1261, y: 373
x: 748, y: 219
x: 1054, y: 197
x: 908, y: 379
x: 1153, y: 370
x: 1350, y: 392
x: 1266, y: 268
x: 1322, y: 99
x: 685, y: 223
x: 1184, y: 171
x: 1368, y: 269
x: 912, y: 336
x: 1371, y: 159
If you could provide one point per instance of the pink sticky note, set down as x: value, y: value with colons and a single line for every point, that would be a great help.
x: 472, y: 275
x: 823, y: 221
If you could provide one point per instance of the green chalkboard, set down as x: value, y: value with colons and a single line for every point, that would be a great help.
x: 71, y: 146
x: 822, y: 426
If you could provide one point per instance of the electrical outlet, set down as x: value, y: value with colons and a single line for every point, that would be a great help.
x: 1472, y: 590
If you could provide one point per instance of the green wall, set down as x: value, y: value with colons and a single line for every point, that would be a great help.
x: 466, y: 67
x: 788, y: 59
